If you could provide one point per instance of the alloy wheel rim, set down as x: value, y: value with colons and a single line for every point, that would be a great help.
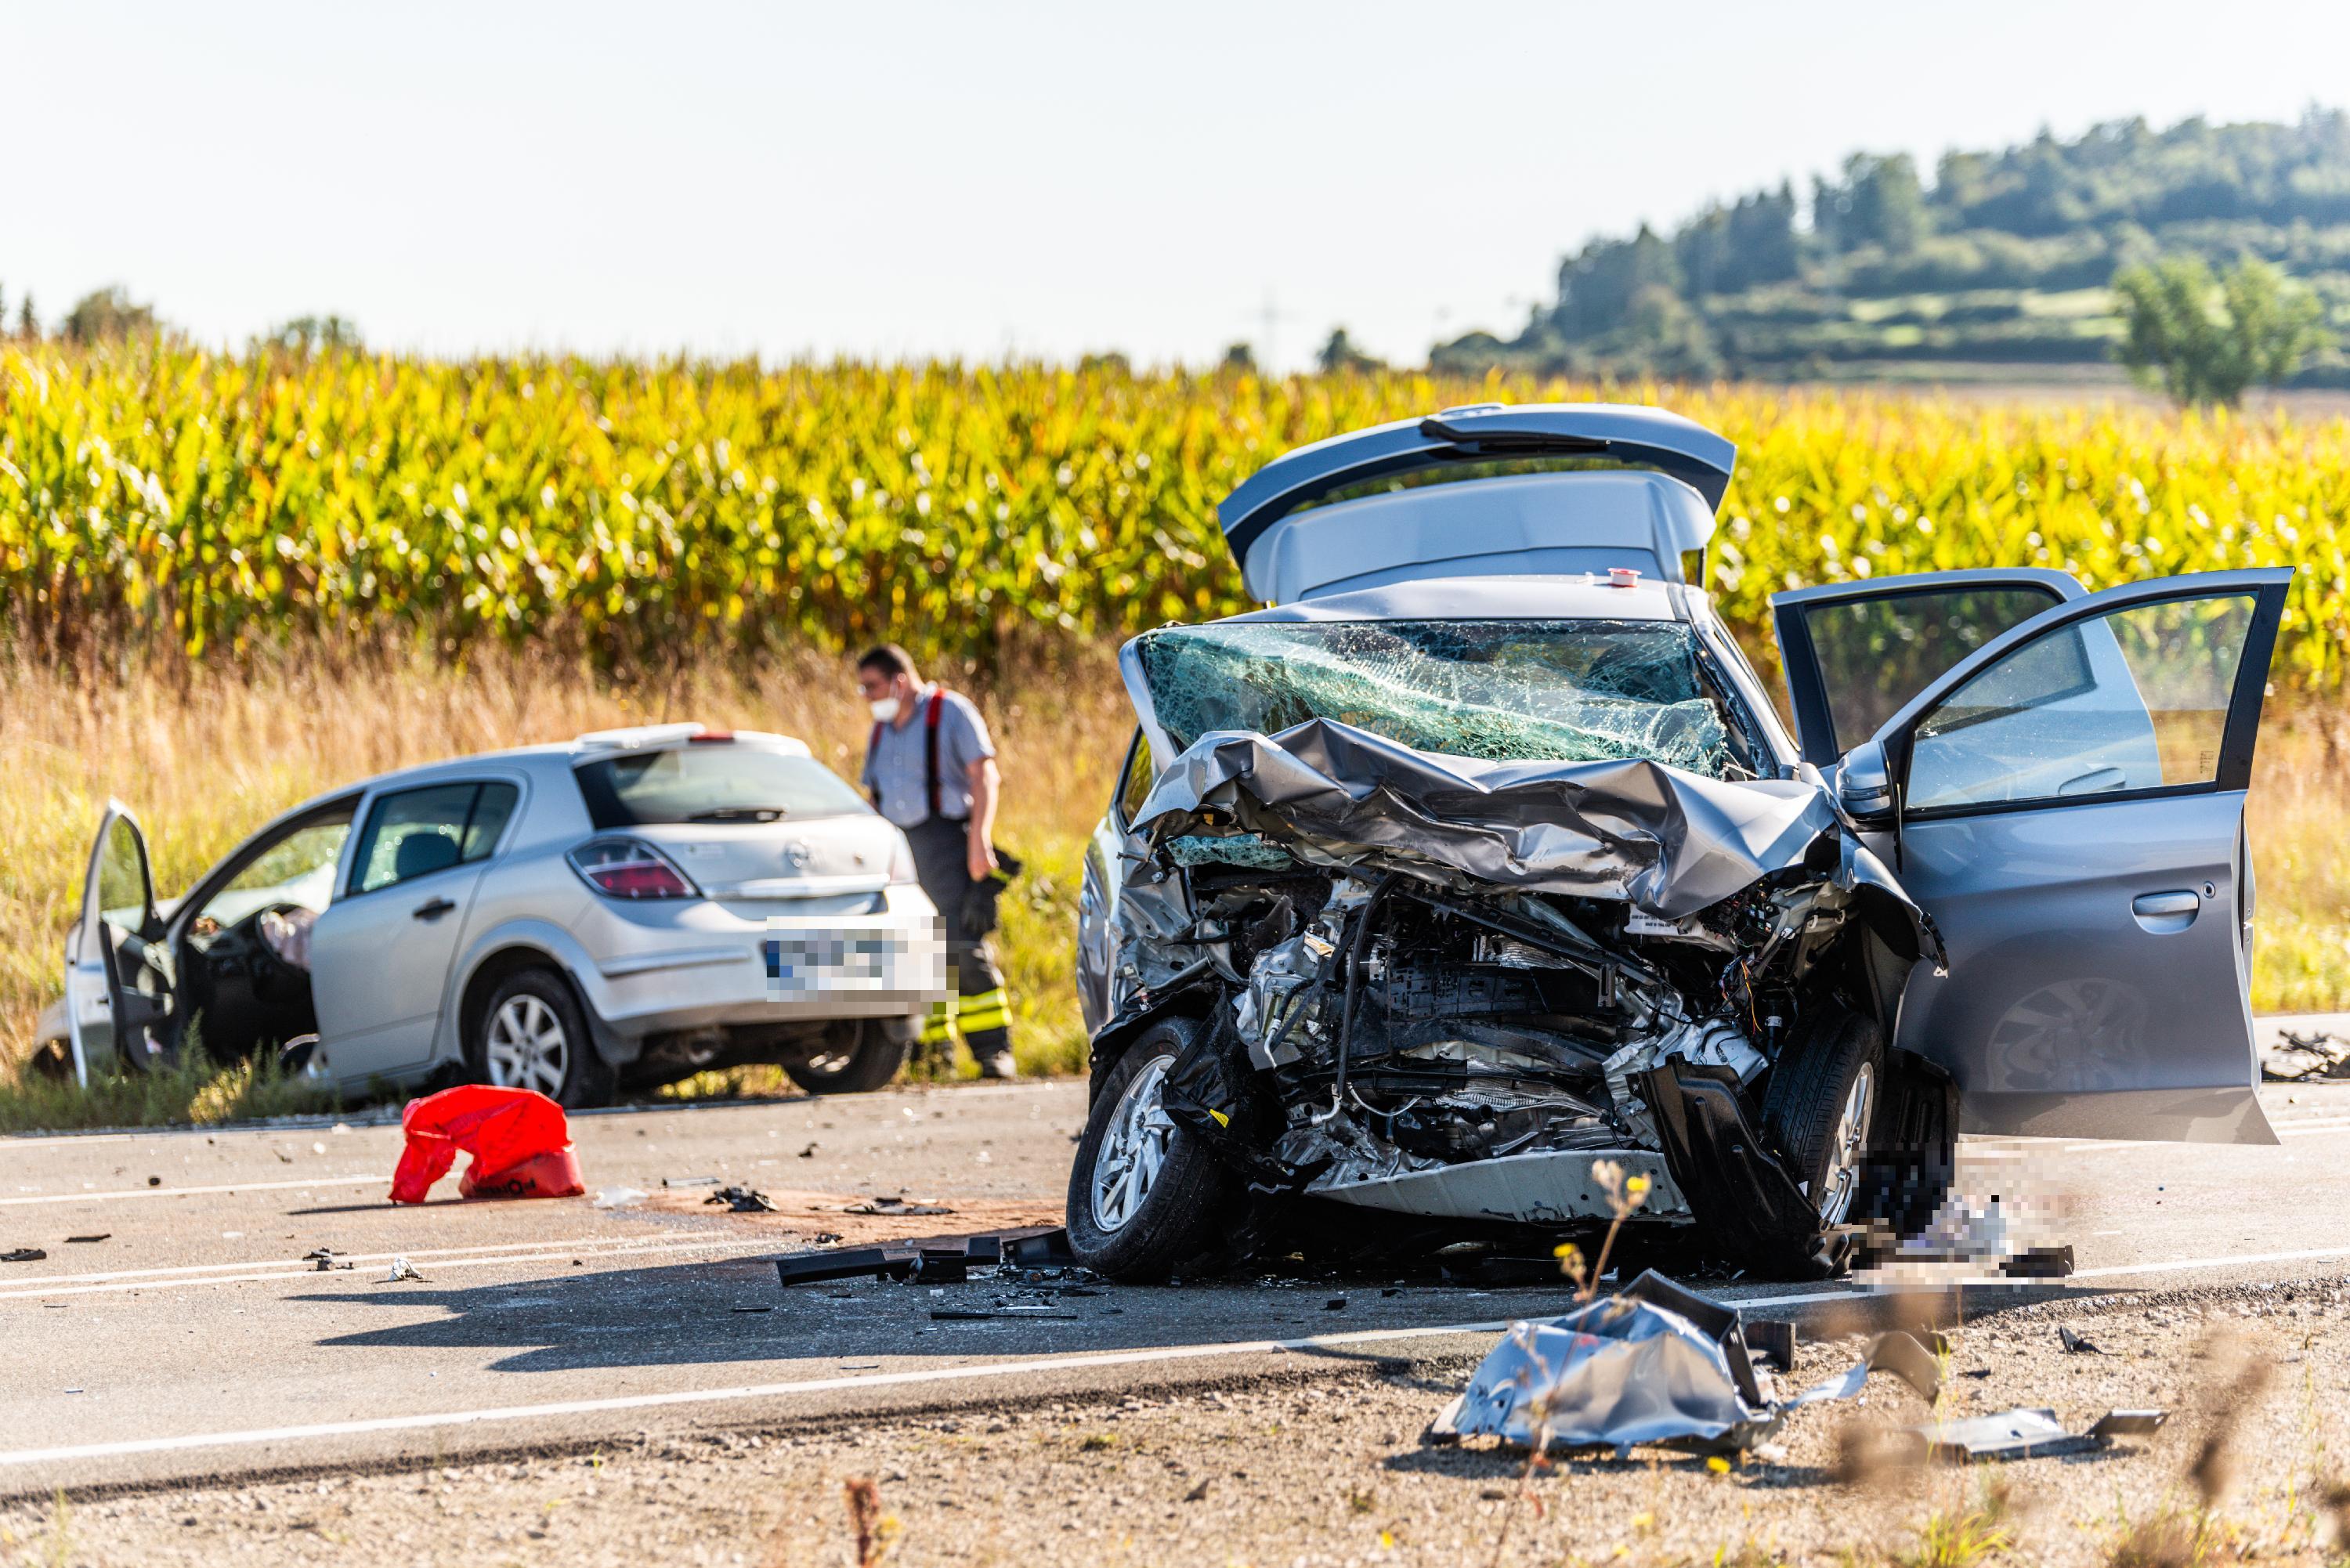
x: 1847, y: 1147
x: 527, y: 1048
x: 1133, y: 1149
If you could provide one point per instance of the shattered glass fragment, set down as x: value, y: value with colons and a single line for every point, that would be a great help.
x: 1248, y: 849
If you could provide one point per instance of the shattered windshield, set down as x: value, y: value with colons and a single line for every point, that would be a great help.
x: 1578, y: 690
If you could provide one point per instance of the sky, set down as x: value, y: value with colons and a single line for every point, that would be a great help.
x: 914, y: 180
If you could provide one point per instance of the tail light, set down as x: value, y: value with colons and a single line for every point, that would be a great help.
x: 630, y: 869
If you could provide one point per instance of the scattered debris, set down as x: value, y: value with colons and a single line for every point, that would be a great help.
x: 1048, y: 1250
x: 1006, y: 1314
x: 899, y: 1205
x: 401, y: 1269
x: 848, y: 1263
x: 322, y: 1260
x: 824, y: 1238
x: 1656, y: 1363
x: 808, y: 1153
x: 23, y: 1255
x: 751, y: 1309
x: 738, y: 1200
x: 2077, y: 1344
x: 1199, y: 1493
x: 2327, y: 1055
x: 1335, y: 1304
x: 2027, y: 1434
x: 689, y: 1181
x: 618, y: 1198
x: 154, y: 1181
x: 519, y: 1139
x: 79, y: 1241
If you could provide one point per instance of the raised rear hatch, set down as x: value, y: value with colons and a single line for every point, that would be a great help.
x: 1539, y: 489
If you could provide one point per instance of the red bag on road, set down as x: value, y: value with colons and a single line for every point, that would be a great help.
x: 519, y: 1139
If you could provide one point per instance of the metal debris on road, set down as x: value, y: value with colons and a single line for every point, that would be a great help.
x: 2077, y: 1344
x: 1008, y: 1314
x: 23, y: 1255
x: 1653, y: 1363
x: 2027, y: 1434
x: 401, y: 1269
x: 102, y: 1236
x: 737, y: 1200
x: 689, y: 1181
x: 322, y: 1260
x: 899, y: 1205
x: 2325, y: 1056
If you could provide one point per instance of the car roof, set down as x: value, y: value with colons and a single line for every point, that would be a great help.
x: 1576, y: 596
x: 550, y: 756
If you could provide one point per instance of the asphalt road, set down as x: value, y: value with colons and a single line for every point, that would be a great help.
x: 193, y: 1342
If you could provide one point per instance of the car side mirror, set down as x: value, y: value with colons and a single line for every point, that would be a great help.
x: 1864, y: 784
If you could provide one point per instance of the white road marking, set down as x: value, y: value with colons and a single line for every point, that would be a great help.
x: 191, y: 1191
x: 339, y: 1276
x: 2306, y: 1255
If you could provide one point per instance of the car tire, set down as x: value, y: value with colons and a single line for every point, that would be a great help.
x: 1825, y: 1094
x: 868, y: 1061
x: 1146, y: 1196
x: 533, y: 1035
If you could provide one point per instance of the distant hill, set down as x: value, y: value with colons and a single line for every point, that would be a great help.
x: 1996, y: 270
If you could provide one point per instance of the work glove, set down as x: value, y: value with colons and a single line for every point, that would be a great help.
x: 978, y: 915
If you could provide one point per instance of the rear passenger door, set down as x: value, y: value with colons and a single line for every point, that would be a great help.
x: 2068, y: 804
x: 380, y: 955
x: 1855, y: 652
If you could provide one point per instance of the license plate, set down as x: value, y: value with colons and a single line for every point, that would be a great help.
x: 838, y: 961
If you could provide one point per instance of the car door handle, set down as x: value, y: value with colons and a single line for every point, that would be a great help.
x: 433, y: 909
x: 2155, y: 904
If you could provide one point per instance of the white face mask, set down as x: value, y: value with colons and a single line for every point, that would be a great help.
x: 885, y: 709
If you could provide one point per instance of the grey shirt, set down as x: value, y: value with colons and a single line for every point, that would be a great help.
x: 896, y: 762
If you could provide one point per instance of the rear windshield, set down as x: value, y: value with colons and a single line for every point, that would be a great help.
x: 1505, y: 690
x: 711, y: 782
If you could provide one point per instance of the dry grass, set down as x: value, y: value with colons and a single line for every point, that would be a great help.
x: 205, y: 754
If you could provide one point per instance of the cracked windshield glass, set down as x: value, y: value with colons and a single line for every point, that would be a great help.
x: 1497, y: 690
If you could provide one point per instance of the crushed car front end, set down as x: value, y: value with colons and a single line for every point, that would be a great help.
x: 1492, y: 921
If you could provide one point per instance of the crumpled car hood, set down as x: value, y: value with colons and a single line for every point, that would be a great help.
x: 1668, y: 841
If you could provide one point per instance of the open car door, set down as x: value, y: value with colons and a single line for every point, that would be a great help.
x: 2067, y: 803
x: 1854, y: 653
x: 118, y: 976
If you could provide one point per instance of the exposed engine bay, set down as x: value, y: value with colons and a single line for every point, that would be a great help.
x: 1473, y: 990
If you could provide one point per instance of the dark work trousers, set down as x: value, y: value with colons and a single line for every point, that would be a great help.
x: 983, y: 1012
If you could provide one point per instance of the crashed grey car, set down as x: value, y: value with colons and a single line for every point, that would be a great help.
x: 1478, y: 868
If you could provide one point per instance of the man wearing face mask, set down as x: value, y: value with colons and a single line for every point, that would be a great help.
x: 931, y: 768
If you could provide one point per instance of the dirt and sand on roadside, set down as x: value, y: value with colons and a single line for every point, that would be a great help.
x: 800, y: 1218
x: 1328, y: 1465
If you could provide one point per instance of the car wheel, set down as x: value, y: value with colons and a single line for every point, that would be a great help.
x: 1146, y: 1196
x: 1824, y: 1098
x: 853, y: 1060
x: 534, y: 1035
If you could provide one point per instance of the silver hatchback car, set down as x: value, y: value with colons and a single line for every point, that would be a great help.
x: 627, y: 907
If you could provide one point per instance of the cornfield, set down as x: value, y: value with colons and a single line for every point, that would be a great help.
x: 160, y: 498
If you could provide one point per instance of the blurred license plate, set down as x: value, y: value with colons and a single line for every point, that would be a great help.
x: 836, y: 960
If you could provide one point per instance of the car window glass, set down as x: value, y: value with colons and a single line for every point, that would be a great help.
x: 2135, y: 699
x: 122, y: 889
x: 1876, y: 654
x: 1135, y: 788
x: 719, y: 781
x: 415, y: 833
x: 298, y: 867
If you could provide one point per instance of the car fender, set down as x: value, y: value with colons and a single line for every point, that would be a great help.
x: 563, y: 951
